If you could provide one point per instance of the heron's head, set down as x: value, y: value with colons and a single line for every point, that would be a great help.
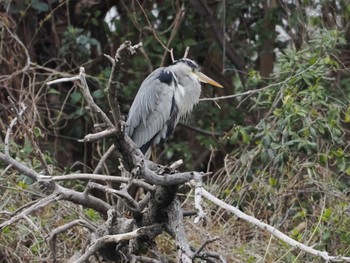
x: 187, y: 67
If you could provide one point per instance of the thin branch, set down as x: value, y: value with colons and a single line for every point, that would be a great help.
x: 9, y: 129
x: 142, y: 231
x: 89, y: 99
x: 103, y: 159
x: 105, y: 178
x: 273, y: 231
x: 86, y: 93
x: 52, y: 237
x: 205, y: 243
x: 177, y: 22
x: 253, y: 91
x: 37, y: 152
x: 186, y: 52
x: 131, y: 204
x: 121, y: 55
x: 20, y: 167
x: 71, y: 79
x: 152, y: 28
x: 41, y: 203
x: 98, y: 135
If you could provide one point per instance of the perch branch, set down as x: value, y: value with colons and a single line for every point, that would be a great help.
x: 144, y: 171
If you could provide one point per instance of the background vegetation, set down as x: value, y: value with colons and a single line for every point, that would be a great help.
x: 280, y: 152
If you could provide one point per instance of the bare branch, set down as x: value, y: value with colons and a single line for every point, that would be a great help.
x: 52, y: 237
x: 186, y: 52
x: 253, y: 91
x: 9, y: 129
x: 90, y: 101
x: 31, y: 138
x: 121, y: 55
x: 98, y: 135
x: 273, y: 231
x: 142, y: 231
x: 41, y: 203
x: 145, y: 171
x: 151, y: 27
x: 176, y: 229
x: 105, y: 178
x: 131, y: 204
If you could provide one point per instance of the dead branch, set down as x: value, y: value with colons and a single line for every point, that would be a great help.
x: 52, y: 237
x: 37, y: 205
x: 273, y: 231
x: 142, y: 231
x: 30, y: 136
x: 101, y: 177
x: 158, y: 208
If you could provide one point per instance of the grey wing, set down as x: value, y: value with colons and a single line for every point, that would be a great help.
x: 150, y: 112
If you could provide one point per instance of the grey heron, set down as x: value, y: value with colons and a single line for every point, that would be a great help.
x: 165, y: 96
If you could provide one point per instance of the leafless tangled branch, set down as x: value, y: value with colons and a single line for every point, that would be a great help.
x: 130, y: 223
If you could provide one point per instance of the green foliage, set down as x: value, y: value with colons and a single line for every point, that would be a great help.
x: 76, y: 45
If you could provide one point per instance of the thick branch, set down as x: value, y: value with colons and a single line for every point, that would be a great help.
x: 146, y: 172
x: 176, y: 228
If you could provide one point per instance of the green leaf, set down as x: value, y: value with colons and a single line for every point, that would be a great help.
x: 39, y: 6
x: 98, y: 94
x: 37, y: 132
x: 53, y: 91
x: 327, y: 214
x: 75, y: 97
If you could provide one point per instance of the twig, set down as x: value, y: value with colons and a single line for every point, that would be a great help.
x: 121, y: 55
x: 177, y: 22
x: 31, y: 138
x: 98, y: 135
x: 71, y: 79
x: 9, y: 129
x: 89, y: 99
x: 253, y: 91
x: 86, y: 93
x: 205, y: 243
x: 152, y: 28
x: 186, y: 52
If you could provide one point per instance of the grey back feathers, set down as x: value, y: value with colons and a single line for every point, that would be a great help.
x: 164, y: 97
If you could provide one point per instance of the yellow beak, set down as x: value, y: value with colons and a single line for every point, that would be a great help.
x: 204, y: 78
